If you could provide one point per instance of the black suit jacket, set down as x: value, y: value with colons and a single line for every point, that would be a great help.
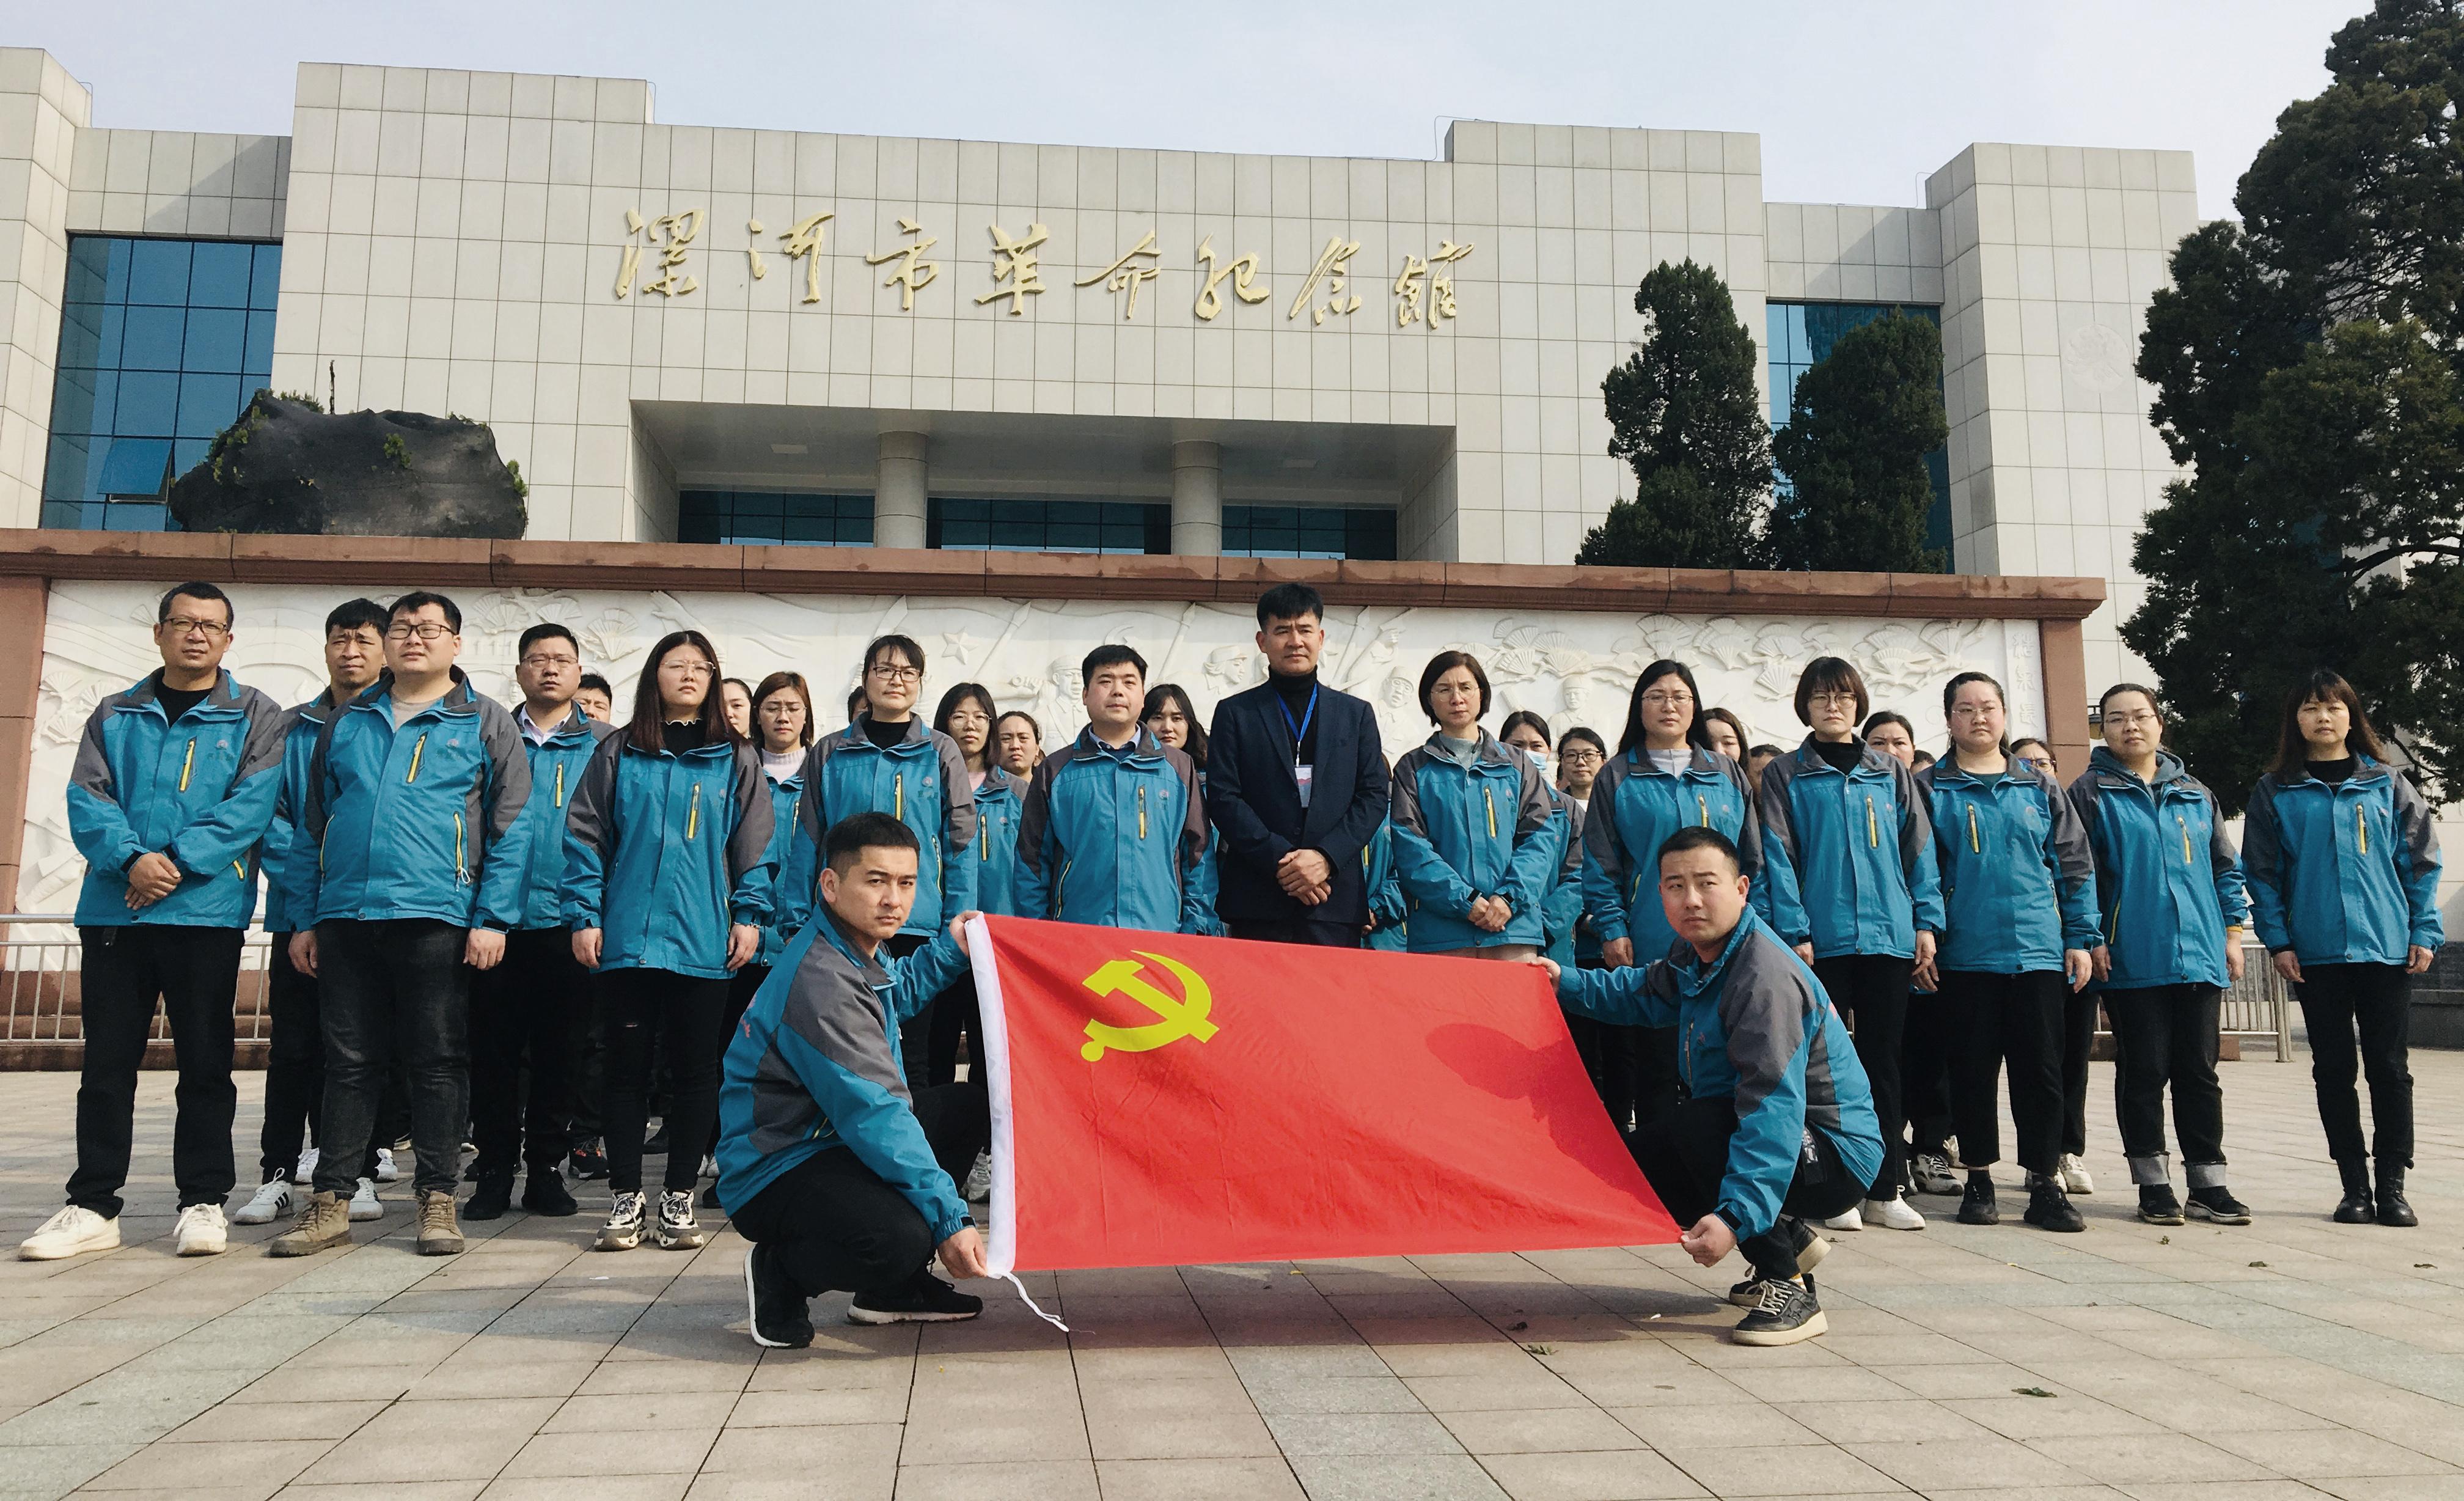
x: 1256, y: 806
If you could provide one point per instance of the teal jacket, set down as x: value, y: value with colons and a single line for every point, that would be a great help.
x: 1848, y: 859
x: 922, y: 781
x: 2344, y: 874
x: 998, y: 803
x: 815, y: 1065
x: 2018, y: 886
x: 1386, y: 902
x: 786, y: 801
x: 664, y: 852
x: 2168, y: 881
x: 1460, y: 833
x: 1563, y: 907
x: 1113, y: 837
x: 301, y: 725
x: 416, y: 821
x: 201, y: 791
x: 557, y: 764
x: 1754, y: 1027
x: 1635, y: 807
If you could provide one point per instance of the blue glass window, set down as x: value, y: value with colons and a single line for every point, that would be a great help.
x: 760, y: 516
x: 1361, y: 533
x: 162, y: 343
x: 1039, y: 526
x: 1800, y: 336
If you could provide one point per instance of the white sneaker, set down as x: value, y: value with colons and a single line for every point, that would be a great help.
x: 71, y: 1232
x: 1851, y: 1221
x: 1933, y: 1175
x: 305, y: 1173
x: 980, y: 1179
x: 386, y: 1172
x: 200, y: 1231
x: 709, y: 1166
x: 2072, y: 1172
x: 272, y: 1202
x: 365, y: 1203
x: 1893, y: 1214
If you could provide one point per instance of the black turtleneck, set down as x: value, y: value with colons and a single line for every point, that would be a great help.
x: 1294, y: 692
x: 683, y: 734
x: 884, y: 736
x: 2334, y: 771
x: 1840, y: 756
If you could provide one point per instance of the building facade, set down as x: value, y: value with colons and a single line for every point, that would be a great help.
x: 684, y: 332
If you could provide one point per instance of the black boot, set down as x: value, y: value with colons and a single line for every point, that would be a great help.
x: 2392, y: 1209
x: 2354, y: 1208
x: 489, y: 1200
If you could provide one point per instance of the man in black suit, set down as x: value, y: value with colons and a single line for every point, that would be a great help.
x: 1296, y: 788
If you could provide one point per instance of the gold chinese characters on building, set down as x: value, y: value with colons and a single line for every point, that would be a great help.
x: 1423, y: 289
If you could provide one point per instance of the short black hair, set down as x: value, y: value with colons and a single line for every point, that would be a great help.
x: 1831, y: 674
x: 544, y: 631
x: 1586, y: 734
x: 1701, y: 836
x: 1289, y: 602
x: 1765, y: 748
x: 1112, y: 656
x: 197, y: 589
x: 417, y: 600
x: 591, y: 680
x: 352, y: 614
x: 905, y: 646
x: 1439, y: 665
x: 852, y: 835
x: 1522, y: 717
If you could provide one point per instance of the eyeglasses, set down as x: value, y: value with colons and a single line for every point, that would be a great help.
x: 895, y: 674
x: 1579, y: 755
x: 425, y: 630
x: 691, y: 669
x: 541, y: 664
x: 2133, y: 720
x: 186, y: 626
x: 1973, y: 711
x: 1831, y: 700
x: 1660, y: 700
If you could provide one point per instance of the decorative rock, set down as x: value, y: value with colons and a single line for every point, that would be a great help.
x: 287, y: 466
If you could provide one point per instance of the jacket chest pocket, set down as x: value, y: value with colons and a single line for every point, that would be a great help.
x: 199, y: 759
x: 446, y: 752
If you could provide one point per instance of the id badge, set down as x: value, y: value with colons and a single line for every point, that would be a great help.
x: 1300, y: 778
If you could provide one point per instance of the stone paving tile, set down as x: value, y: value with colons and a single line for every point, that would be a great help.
x: 529, y: 1368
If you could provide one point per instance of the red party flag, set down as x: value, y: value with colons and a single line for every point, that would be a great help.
x: 1164, y: 1100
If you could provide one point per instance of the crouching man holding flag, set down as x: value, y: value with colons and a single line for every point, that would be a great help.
x: 841, y: 1178
x: 1776, y: 1126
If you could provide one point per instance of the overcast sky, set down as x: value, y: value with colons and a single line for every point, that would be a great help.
x: 1854, y: 102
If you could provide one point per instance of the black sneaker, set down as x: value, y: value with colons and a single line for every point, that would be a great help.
x: 926, y: 1299
x: 2157, y: 1204
x: 2217, y: 1204
x: 544, y: 1192
x: 781, y: 1317
x: 655, y: 1144
x: 708, y: 1197
x: 1747, y: 1293
x: 2049, y: 1209
x: 1976, y: 1205
x: 490, y: 1199
x: 588, y: 1162
x: 1787, y: 1313
x: 1811, y: 1248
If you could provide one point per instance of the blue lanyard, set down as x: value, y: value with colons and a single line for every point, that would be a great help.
x: 1299, y: 731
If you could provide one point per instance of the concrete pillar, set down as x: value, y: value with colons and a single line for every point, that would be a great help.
x: 899, y: 494
x: 1197, y: 498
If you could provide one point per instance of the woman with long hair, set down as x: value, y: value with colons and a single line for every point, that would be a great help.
x: 967, y: 714
x: 668, y: 868
x: 1662, y: 779
x: 1893, y: 734
x: 1472, y: 846
x: 2018, y: 887
x: 1170, y: 717
x: 1561, y: 909
x: 1721, y: 731
x: 735, y: 701
x: 2171, y: 908
x: 1849, y: 878
x: 2343, y: 863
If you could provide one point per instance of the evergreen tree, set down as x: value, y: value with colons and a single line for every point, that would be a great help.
x: 2309, y: 367
x: 1687, y: 415
x: 1854, y: 450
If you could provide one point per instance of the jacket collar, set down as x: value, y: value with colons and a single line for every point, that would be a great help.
x: 1142, y: 746
x: 460, y: 696
x: 2112, y: 773
x: 1868, y: 759
x: 854, y: 737
x: 1491, y: 752
x: 1948, y: 769
x: 1638, y: 762
x: 875, y: 971
x: 2366, y: 769
x: 1693, y: 974
x: 223, y: 693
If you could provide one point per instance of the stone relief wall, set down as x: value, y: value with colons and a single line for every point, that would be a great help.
x: 1572, y: 667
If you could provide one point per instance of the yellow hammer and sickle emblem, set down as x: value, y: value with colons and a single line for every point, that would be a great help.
x: 1185, y: 1017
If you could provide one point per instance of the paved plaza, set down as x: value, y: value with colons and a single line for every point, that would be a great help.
x: 2289, y: 1358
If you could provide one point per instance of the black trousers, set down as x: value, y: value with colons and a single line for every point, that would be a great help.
x: 956, y: 1014
x: 741, y: 987
x: 1300, y: 930
x: 1924, y: 1071
x: 2015, y: 1019
x: 2376, y: 1001
x: 915, y: 1033
x: 2078, y: 1037
x: 393, y: 995
x: 1613, y: 1057
x: 836, y: 1228
x: 688, y: 1013
x: 527, y: 1019
x: 1871, y: 991
x: 195, y: 974
x: 294, y: 1065
x: 2167, y: 1035
x: 1684, y: 1154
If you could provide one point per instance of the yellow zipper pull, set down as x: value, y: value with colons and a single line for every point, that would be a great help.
x: 418, y: 746
x: 1704, y: 807
x: 2185, y: 826
x: 2362, y: 827
x: 560, y: 784
x: 898, y: 795
x: 692, y: 813
x: 1491, y: 798
x: 188, y: 763
x: 1142, y: 812
x: 461, y: 866
x: 1974, y: 844
x: 1873, y: 824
